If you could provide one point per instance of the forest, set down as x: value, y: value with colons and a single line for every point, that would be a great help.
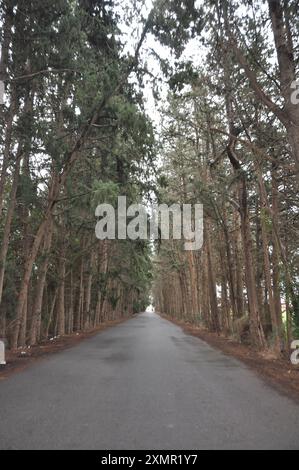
x: 220, y: 127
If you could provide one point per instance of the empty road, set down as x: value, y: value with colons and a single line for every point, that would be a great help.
x: 143, y: 384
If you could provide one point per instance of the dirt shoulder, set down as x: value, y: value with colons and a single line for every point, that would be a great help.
x: 279, y: 373
x: 24, y: 357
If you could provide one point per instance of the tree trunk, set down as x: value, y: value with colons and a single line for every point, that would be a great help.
x: 42, y: 275
x: 267, y: 267
x: 256, y: 327
x: 61, y: 289
x: 215, y: 326
x: 275, y: 255
x: 8, y: 221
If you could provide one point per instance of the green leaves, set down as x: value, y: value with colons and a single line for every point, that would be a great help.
x: 104, y: 193
x: 175, y: 22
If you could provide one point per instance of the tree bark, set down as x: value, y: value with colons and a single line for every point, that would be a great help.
x: 42, y: 275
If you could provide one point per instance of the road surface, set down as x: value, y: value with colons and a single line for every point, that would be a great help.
x: 143, y: 384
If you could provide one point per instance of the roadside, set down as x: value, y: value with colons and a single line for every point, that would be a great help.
x: 279, y: 373
x: 23, y: 357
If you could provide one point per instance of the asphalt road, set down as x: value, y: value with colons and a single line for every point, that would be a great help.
x: 143, y: 384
